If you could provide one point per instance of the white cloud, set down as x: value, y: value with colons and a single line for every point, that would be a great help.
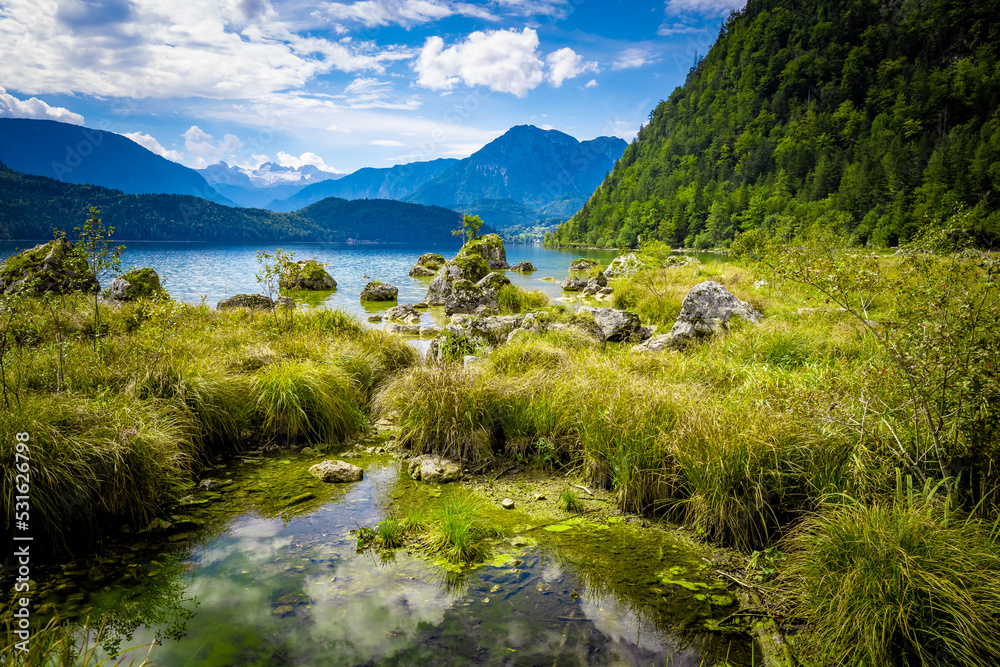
x: 200, y: 145
x: 567, y: 64
x: 505, y: 61
x: 386, y: 142
x: 406, y: 13
x: 160, y: 49
x: 633, y: 57
x: 371, y: 93
x: 590, y: 84
x: 150, y: 143
x: 286, y: 160
x: 668, y: 29
x: 703, y: 7
x: 556, y: 8
x: 11, y: 107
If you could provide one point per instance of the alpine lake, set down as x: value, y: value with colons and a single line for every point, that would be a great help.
x: 262, y: 567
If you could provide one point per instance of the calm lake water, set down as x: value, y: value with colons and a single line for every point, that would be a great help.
x: 195, y: 271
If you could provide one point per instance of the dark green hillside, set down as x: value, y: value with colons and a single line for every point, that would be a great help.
x: 860, y: 115
x: 32, y: 206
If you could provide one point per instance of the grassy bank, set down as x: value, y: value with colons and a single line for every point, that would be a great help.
x: 870, y: 375
x: 119, y: 423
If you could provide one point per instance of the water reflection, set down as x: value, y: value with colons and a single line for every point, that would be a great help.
x: 274, y: 585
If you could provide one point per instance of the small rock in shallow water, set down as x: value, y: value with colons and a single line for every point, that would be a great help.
x: 336, y: 471
x: 507, y: 504
x: 375, y: 318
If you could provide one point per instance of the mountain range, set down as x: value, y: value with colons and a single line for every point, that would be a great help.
x: 258, y: 187
x: 33, y: 206
x: 83, y: 155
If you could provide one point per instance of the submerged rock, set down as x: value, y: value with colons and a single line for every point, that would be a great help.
x: 434, y: 469
x: 48, y: 267
x: 252, y: 301
x: 306, y: 275
x: 707, y: 310
x: 523, y: 267
x: 377, y: 290
x: 336, y: 471
x: 616, y: 325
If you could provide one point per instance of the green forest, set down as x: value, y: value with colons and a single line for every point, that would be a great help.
x: 35, y: 205
x: 861, y: 116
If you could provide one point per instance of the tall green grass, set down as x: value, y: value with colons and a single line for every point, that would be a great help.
x: 896, y: 583
x: 458, y: 531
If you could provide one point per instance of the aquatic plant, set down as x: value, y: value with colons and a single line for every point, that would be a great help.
x: 458, y: 531
x: 571, y: 500
x: 58, y: 645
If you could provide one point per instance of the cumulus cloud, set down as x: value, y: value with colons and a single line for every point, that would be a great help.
x: 286, y: 160
x: 506, y: 61
x: 703, y: 7
x: 566, y: 64
x: 158, y: 48
x: 11, y: 107
x: 150, y: 143
x: 633, y: 57
x: 204, y: 151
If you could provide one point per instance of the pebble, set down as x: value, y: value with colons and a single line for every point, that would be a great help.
x: 507, y: 504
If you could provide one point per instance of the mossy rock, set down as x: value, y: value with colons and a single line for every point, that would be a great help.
x: 251, y: 301
x: 137, y: 284
x: 490, y: 248
x: 582, y: 264
x: 308, y: 275
x: 377, y: 290
x: 427, y: 265
x: 48, y: 267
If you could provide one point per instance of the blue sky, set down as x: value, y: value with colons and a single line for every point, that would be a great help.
x: 345, y: 85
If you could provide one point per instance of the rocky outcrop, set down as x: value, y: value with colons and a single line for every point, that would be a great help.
x: 48, y: 267
x: 624, y: 265
x: 434, y: 469
x: 616, y: 325
x: 251, y: 301
x: 490, y: 248
x: 582, y: 264
x: 379, y: 291
x: 336, y: 471
x: 404, y: 312
x: 428, y: 264
x: 482, y: 297
x: 573, y: 284
x: 707, y: 310
x: 523, y: 267
x: 136, y: 284
x: 306, y: 275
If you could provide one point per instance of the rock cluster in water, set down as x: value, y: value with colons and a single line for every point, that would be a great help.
x: 523, y: 267
x: 465, y: 284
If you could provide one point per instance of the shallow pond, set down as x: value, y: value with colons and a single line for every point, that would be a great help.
x: 265, y: 571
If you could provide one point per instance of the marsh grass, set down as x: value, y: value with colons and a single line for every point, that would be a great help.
x: 122, y: 425
x: 458, y: 531
x: 896, y: 583
x: 513, y: 300
x: 571, y: 500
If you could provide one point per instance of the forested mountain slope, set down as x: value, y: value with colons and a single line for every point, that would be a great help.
x: 860, y: 115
